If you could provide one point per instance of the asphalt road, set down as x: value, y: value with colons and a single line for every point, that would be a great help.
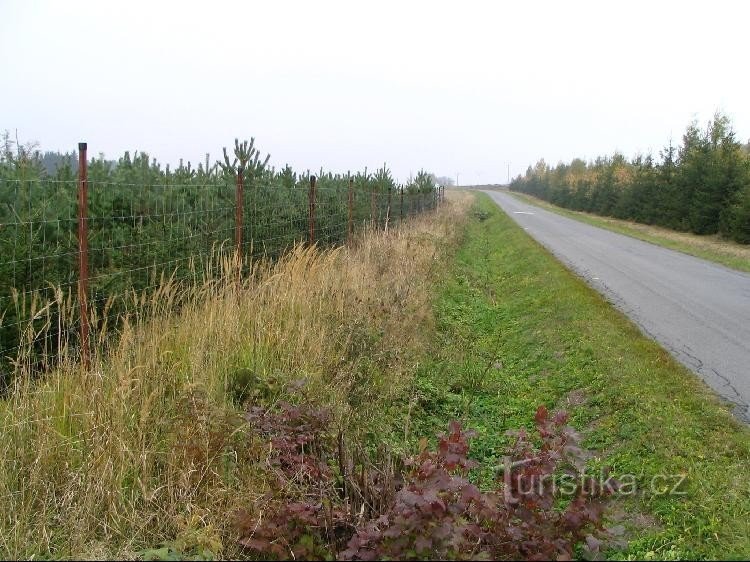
x: 698, y: 310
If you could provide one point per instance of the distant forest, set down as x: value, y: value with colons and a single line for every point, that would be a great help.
x: 701, y: 186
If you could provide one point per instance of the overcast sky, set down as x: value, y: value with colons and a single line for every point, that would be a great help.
x: 454, y: 87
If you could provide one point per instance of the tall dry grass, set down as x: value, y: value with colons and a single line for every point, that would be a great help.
x: 149, y: 445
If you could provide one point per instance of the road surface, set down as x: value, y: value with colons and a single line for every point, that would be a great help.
x: 698, y: 310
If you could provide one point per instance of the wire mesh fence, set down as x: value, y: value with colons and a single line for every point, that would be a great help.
x: 85, y: 243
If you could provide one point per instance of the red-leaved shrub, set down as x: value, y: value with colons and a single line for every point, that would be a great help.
x: 543, y: 507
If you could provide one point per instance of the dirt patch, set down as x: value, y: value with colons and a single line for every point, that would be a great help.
x: 634, y: 522
x: 575, y: 398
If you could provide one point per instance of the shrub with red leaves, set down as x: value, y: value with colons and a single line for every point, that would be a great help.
x: 438, y: 513
x: 302, y: 517
x: 432, y: 514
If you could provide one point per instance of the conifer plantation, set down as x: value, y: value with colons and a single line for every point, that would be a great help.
x: 148, y: 222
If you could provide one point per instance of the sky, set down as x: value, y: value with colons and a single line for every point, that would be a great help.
x: 467, y: 89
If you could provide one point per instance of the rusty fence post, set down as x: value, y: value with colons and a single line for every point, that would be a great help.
x: 372, y: 207
x: 238, y: 219
x: 239, y: 216
x: 83, y: 251
x: 350, y: 222
x: 312, y: 210
x: 401, y: 205
x: 388, y: 210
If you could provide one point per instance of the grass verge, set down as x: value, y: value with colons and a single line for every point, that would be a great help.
x: 708, y: 247
x: 517, y: 330
x: 149, y: 449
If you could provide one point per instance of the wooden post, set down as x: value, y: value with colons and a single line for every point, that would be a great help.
x: 83, y: 252
x: 312, y: 210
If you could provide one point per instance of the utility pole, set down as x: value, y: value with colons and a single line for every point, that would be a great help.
x: 456, y: 179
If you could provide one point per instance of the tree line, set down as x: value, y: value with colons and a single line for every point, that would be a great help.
x: 700, y: 186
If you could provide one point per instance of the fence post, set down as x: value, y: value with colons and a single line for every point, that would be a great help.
x: 239, y: 201
x: 83, y: 251
x: 372, y: 207
x: 388, y: 211
x: 401, y: 205
x: 350, y: 222
x: 312, y: 210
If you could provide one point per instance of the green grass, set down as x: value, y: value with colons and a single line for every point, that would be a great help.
x: 515, y: 329
x: 712, y: 248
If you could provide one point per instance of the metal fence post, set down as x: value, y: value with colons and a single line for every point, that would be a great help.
x: 388, y: 211
x: 312, y: 210
x: 401, y: 205
x: 239, y: 200
x: 83, y: 251
x: 350, y: 222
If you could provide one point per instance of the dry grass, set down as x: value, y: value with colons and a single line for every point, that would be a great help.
x: 148, y: 447
x: 713, y: 243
